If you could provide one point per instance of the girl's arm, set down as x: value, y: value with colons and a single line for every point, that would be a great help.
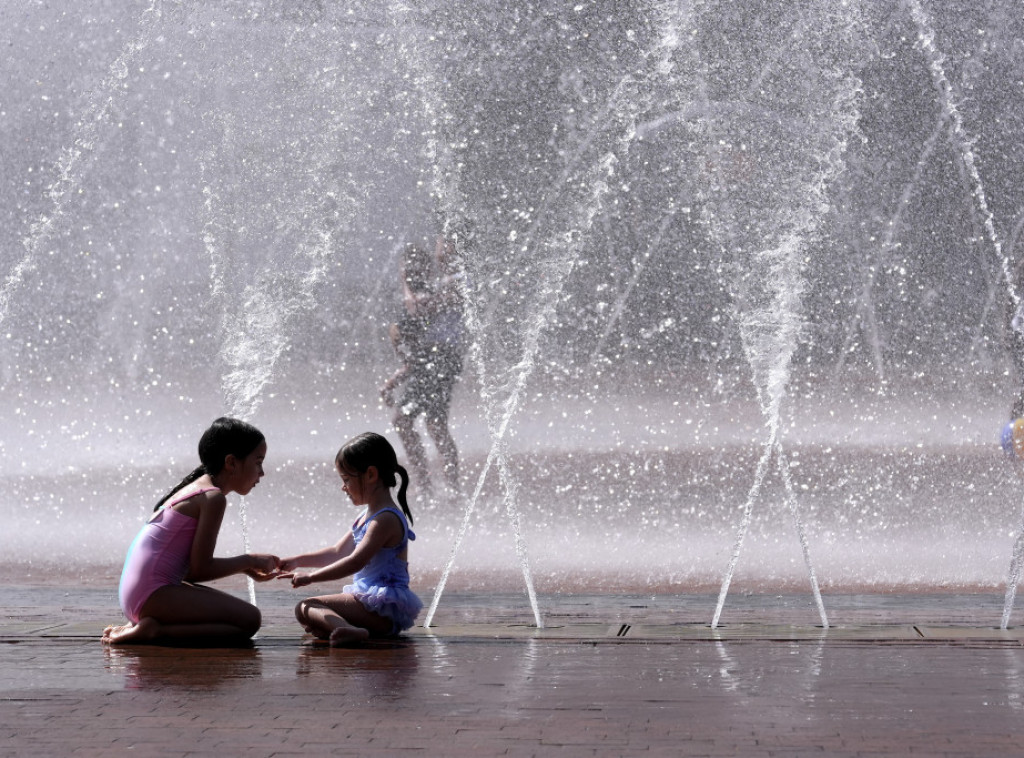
x: 388, y: 388
x: 202, y: 566
x: 381, y: 531
x: 320, y: 558
x: 409, y: 298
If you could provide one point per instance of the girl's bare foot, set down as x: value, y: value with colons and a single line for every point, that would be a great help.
x: 318, y: 634
x: 147, y: 629
x: 346, y: 635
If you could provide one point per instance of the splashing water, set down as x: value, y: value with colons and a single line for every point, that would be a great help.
x: 1013, y: 575
x: 256, y: 338
x: 784, y: 316
x: 258, y: 320
x: 926, y: 40
x: 260, y: 309
x: 865, y: 316
x: 445, y: 181
x: 767, y: 230
x: 963, y: 143
x: 553, y: 259
x: 369, y: 313
x: 179, y: 197
x: 639, y: 266
x: 74, y: 160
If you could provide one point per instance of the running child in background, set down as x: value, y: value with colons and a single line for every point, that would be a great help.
x: 429, y: 342
x: 174, y: 550
x: 379, y: 602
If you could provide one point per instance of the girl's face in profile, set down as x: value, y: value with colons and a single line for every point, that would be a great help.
x: 352, y: 484
x: 251, y: 471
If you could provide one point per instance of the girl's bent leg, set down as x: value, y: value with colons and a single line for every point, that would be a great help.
x: 340, y: 619
x: 405, y: 426
x: 185, y: 610
x: 437, y: 427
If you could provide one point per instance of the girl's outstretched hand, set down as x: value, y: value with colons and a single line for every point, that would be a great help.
x: 264, y: 568
x: 298, y: 580
x: 261, y: 576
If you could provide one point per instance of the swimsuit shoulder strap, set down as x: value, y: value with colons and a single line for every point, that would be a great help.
x: 406, y: 531
x: 190, y: 496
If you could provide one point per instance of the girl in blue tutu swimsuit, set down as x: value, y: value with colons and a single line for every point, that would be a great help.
x: 379, y: 602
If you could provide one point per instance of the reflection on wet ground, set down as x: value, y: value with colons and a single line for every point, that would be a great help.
x: 531, y: 697
x: 464, y: 690
x: 37, y: 608
x: 32, y: 610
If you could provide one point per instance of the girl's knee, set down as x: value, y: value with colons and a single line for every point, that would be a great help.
x: 251, y: 622
x: 303, y: 607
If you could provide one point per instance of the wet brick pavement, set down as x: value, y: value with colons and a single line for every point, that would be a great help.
x: 610, y: 677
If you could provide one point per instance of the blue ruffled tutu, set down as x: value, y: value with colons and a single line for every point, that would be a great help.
x: 400, y: 604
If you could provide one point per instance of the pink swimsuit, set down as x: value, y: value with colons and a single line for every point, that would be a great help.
x: 158, y: 556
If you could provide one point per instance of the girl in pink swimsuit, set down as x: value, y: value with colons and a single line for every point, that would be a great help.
x: 175, y: 549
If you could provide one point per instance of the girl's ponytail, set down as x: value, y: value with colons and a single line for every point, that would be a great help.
x: 197, y: 472
x: 404, y: 475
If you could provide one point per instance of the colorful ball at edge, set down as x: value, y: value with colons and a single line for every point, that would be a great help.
x: 1012, y: 439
